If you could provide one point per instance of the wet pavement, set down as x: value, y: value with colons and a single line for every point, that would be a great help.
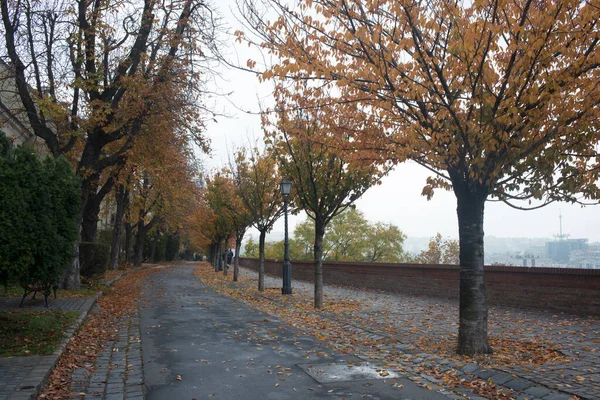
x: 421, y: 320
x: 190, y: 342
x: 198, y: 344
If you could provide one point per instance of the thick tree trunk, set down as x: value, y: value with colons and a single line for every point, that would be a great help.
x: 261, y: 263
x: 89, y: 223
x: 115, y: 247
x: 318, y: 263
x: 472, y: 332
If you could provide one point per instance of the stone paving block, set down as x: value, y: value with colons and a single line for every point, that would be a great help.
x: 557, y: 396
x: 518, y: 384
x: 471, y: 368
x: 500, y: 378
x: 486, y: 373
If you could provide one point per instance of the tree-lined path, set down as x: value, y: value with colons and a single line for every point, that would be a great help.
x: 199, y: 344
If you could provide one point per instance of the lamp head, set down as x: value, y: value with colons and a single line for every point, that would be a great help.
x: 286, y: 187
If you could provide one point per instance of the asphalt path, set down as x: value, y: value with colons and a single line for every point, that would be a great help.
x: 197, y: 344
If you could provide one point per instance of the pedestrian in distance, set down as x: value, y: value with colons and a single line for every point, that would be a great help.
x: 229, y: 257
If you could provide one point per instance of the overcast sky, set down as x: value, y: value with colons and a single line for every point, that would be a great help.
x: 397, y: 200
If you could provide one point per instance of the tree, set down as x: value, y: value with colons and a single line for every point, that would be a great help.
x: 323, y: 183
x: 218, y: 195
x: 38, y: 208
x: 302, y: 246
x: 384, y: 244
x: 257, y: 181
x: 87, y: 89
x: 440, y: 252
x: 251, y: 248
x: 498, y: 99
x: 241, y: 219
x: 351, y: 237
x: 347, y: 236
x: 162, y: 187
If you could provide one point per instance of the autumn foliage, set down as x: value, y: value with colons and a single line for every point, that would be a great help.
x: 497, y: 99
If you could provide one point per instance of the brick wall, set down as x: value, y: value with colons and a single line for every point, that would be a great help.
x: 570, y: 290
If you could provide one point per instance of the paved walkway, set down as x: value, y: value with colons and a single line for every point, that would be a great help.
x: 189, y: 342
x: 117, y: 373
x: 198, y: 344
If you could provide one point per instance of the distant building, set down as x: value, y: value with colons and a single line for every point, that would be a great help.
x: 560, y: 251
x: 13, y: 120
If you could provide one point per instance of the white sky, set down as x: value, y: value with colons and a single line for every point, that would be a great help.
x: 397, y: 200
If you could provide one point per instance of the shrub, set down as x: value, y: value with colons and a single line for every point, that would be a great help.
x: 39, y: 203
x: 93, y: 259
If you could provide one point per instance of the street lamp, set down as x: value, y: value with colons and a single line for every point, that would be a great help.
x: 286, y: 187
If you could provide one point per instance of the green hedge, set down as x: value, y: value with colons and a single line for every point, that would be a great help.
x: 39, y: 203
x: 93, y: 259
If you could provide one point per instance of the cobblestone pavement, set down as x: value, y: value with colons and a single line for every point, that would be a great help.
x: 577, y: 338
x: 117, y: 372
x: 23, y: 377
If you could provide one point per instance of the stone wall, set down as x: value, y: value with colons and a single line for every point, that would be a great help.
x: 559, y: 289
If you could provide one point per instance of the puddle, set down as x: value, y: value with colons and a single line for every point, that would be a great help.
x: 326, y: 373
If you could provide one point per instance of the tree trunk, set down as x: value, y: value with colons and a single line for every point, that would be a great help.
x: 120, y: 197
x: 139, y: 244
x: 219, y: 257
x: 472, y: 331
x: 128, y: 237
x: 225, y: 266
x: 318, y: 262
x: 70, y: 278
x: 92, y: 196
x: 238, y: 244
x: 261, y: 263
x: 213, y: 256
x: 236, y: 262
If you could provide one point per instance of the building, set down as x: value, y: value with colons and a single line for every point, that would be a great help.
x: 560, y: 251
x: 13, y: 119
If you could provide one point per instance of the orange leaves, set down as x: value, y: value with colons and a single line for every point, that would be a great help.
x: 494, y: 89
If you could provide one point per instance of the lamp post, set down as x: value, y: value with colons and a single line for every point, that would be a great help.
x: 286, y: 187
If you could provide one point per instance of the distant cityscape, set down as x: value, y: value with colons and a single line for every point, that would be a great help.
x: 557, y: 251
x: 560, y: 252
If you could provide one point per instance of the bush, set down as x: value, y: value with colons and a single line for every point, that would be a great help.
x: 39, y: 204
x: 93, y: 259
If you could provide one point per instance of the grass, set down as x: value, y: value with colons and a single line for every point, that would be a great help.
x: 28, y: 333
